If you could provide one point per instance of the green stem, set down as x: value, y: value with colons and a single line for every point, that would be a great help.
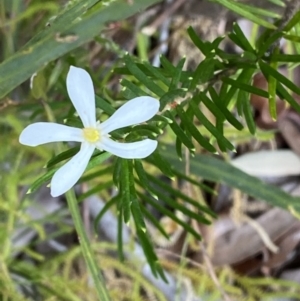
x: 86, y: 247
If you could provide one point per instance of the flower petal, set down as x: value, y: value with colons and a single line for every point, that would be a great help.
x: 67, y: 176
x: 81, y: 91
x: 133, y: 150
x: 135, y: 111
x: 45, y: 132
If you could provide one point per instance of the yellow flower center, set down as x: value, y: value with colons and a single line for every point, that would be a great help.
x: 91, y: 134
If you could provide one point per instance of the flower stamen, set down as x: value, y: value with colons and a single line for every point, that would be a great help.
x: 91, y: 135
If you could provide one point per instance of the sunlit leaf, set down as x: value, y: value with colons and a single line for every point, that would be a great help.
x: 66, y: 33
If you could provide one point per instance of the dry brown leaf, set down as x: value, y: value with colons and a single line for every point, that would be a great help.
x: 244, y: 242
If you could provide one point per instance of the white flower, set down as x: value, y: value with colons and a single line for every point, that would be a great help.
x: 94, y: 134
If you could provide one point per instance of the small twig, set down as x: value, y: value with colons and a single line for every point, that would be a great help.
x: 151, y: 29
x: 8, y: 103
x: 239, y: 216
x: 212, y: 273
x: 265, y: 237
x: 179, y: 257
x: 292, y: 6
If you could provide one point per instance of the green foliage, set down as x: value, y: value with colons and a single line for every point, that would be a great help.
x: 187, y: 98
x: 216, y: 170
x: 77, y: 24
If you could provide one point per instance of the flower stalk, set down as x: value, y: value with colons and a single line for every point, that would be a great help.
x: 86, y: 249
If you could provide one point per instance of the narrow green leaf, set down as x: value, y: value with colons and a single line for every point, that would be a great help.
x: 120, y: 232
x: 104, y: 105
x: 117, y: 171
x: 230, y: 94
x: 148, y: 127
x: 286, y: 58
x: 217, y: 41
x: 278, y: 2
x: 125, y: 184
x: 142, y: 235
x: 43, y: 179
x: 225, y: 56
x: 259, y: 11
x: 295, y: 20
x: 140, y: 132
x: 164, y: 166
x: 142, y: 77
x: 197, y: 41
x: 247, y: 110
x: 243, y: 41
x: 156, y: 73
x: 292, y: 38
x: 105, y: 171
x: 249, y: 56
x: 176, y: 192
x: 245, y: 87
x: 86, y: 248
x: 243, y: 100
x: 203, y: 73
x: 65, y: 34
x: 105, y: 208
x: 138, y: 165
x: 168, y: 213
x: 284, y: 94
x: 65, y: 17
x: 142, y: 45
x: 180, y: 134
x: 214, y: 109
x: 198, y: 183
x: 233, y: 6
x: 128, y: 94
x: 46, y: 177
x: 222, y: 104
x: 154, y: 222
x: 272, y: 84
x: 216, y: 99
x: 137, y: 214
x: 194, y: 131
x: 234, y: 38
x: 177, y: 74
x: 181, y: 208
x: 178, y: 146
x: 148, y: 250
x: 210, y: 127
x: 136, y: 91
x: 167, y: 65
x: 96, y: 189
x: 216, y: 170
x: 266, y: 69
x: 97, y: 160
x: 265, y: 42
x: 243, y: 97
x: 63, y: 156
x: 162, y: 118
